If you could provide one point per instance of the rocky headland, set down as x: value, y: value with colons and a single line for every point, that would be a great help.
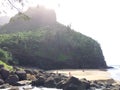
x: 38, y: 78
x: 35, y: 39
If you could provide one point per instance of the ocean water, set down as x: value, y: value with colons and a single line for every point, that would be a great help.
x: 29, y: 87
x: 115, y: 72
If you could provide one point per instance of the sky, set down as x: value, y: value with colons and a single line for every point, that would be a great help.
x: 99, y: 19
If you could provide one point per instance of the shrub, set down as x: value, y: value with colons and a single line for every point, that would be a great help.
x: 5, y: 55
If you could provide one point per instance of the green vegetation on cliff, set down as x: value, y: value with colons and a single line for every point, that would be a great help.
x: 36, y: 41
x: 8, y: 67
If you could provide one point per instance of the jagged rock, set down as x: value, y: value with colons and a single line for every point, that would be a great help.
x: 4, y: 73
x: 12, y: 79
x: 29, y: 71
x: 50, y: 82
x: 60, y: 84
x: 58, y: 79
x: 22, y: 75
x: 75, y: 84
x: 72, y: 86
x: 39, y: 82
x: 1, y: 81
x: 36, y: 72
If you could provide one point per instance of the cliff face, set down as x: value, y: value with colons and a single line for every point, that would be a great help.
x: 36, y: 39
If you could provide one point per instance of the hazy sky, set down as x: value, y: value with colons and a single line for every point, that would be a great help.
x: 99, y: 19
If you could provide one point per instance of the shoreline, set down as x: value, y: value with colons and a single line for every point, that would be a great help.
x: 89, y: 74
x: 63, y: 79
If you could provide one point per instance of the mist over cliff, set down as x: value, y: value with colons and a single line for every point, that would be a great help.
x: 34, y: 38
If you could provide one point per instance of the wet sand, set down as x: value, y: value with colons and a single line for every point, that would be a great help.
x: 89, y: 74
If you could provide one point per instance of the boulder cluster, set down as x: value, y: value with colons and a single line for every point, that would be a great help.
x: 51, y: 80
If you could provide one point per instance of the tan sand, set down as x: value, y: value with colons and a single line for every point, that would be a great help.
x: 92, y: 74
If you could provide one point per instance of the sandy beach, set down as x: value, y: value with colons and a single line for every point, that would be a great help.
x: 91, y: 74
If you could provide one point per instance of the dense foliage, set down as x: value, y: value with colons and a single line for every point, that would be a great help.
x: 49, y: 45
x: 6, y: 66
x: 5, y: 55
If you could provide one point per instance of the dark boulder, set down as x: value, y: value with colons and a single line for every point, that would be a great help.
x: 4, y: 73
x: 96, y: 85
x: 72, y: 86
x: 58, y: 79
x: 22, y: 75
x: 50, y: 82
x: 36, y: 72
x: 28, y: 71
x: 39, y: 82
x: 12, y: 79
x: 60, y: 84
x: 1, y: 81
x: 75, y: 84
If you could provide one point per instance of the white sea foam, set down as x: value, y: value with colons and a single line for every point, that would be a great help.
x: 32, y: 88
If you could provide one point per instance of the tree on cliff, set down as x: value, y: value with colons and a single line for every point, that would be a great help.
x: 35, y: 38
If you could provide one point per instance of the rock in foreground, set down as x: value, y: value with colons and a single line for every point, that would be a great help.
x: 42, y: 78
